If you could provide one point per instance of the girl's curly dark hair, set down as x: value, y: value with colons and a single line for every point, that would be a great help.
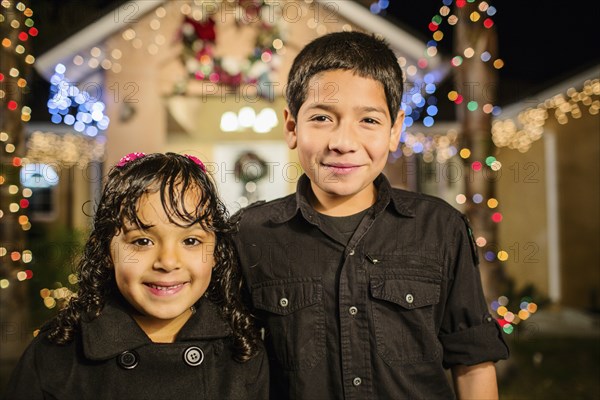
x: 173, y: 175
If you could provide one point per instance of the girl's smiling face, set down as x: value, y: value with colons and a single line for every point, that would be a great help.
x: 164, y: 269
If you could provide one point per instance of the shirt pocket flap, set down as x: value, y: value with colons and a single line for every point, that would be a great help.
x: 286, y: 297
x: 408, y: 294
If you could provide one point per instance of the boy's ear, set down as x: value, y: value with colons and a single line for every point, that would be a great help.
x: 289, y: 127
x: 396, y: 131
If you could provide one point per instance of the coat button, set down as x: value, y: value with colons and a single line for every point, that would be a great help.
x: 353, y: 310
x: 128, y: 359
x: 351, y: 252
x: 410, y: 298
x: 356, y: 381
x: 283, y: 302
x: 193, y: 356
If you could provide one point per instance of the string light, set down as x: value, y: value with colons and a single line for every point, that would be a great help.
x: 15, y: 202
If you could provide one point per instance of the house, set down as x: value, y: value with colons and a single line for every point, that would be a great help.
x: 549, y: 145
x: 219, y: 98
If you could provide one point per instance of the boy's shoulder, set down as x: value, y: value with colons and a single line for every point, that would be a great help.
x: 420, y: 204
x: 262, y: 211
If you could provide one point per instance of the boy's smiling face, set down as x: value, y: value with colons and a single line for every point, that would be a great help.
x: 343, y: 133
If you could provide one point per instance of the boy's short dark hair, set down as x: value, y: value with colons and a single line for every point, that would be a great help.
x: 366, y: 55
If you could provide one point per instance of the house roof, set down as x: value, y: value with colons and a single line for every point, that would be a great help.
x: 400, y: 40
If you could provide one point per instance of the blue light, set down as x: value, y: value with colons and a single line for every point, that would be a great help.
x: 79, y: 126
x: 430, y: 88
x: 383, y: 4
x: 418, y: 147
x: 432, y: 100
x: 485, y: 56
x: 432, y: 110
x: 77, y: 107
x: 69, y: 119
x: 429, y: 78
x: 496, y: 111
x: 491, y: 10
x: 421, y: 102
x: 408, y: 110
x: 416, y: 98
x: 490, y: 256
x: 447, y: 2
x: 60, y: 69
x: 428, y: 121
x: 91, y: 131
x: 375, y: 8
x: 408, y: 121
x: 432, y: 43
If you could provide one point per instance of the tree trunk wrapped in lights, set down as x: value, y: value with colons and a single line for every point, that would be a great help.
x: 476, y: 81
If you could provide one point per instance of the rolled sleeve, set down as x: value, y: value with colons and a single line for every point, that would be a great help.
x: 475, y: 345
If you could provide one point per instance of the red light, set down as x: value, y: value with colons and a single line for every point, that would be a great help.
x: 12, y: 105
x: 496, y: 217
x: 33, y: 31
x: 23, y: 36
x: 1, y: 77
x: 24, y: 203
x: 461, y: 3
x: 488, y: 23
x: 476, y: 166
x: 459, y: 99
x: 422, y: 63
x: 28, y: 273
x: 16, y: 162
x: 433, y: 27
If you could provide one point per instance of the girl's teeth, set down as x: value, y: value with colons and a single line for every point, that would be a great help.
x: 165, y: 288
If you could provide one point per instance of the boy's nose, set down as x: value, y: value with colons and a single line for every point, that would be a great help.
x: 343, y: 139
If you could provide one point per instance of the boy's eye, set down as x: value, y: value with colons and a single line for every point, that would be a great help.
x: 320, y: 118
x: 370, y: 121
x: 142, y: 242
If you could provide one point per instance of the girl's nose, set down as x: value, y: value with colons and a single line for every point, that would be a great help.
x: 167, y: 259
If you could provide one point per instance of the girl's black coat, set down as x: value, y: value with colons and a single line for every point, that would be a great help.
x: 93, y: 365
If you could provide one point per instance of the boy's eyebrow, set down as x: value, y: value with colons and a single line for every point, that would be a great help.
x: 332, y: 108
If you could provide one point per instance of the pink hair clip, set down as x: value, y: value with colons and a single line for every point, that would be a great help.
x: 197, y: 161
x: 128, y: 158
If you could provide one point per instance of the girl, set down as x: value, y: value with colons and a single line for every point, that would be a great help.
x: 158, y: 313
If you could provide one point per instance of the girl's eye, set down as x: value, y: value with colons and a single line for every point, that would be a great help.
x: 142, y: 242
x: 191, y: 242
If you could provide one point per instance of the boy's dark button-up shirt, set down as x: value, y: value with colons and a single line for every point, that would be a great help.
x: 378, y: 317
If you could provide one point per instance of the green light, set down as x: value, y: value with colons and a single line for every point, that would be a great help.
x: 490, y: 160
x: 472, y: 105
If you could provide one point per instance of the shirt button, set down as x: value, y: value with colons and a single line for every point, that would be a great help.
x: 351, y: 252
x: 128, y: 359
x: 283, y: 302
x: 356, y: 381
x: 193, y: 356
x: 353, y: 310
x: 410, y: 298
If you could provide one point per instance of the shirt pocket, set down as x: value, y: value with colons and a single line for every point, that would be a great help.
x: 294, y: 315
x: 402, y: 309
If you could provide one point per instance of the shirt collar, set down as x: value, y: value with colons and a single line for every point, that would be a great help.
x: 115, y: 331
x: 300, y: 202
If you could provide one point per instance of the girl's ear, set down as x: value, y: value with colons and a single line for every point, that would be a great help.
x: 289, y: 127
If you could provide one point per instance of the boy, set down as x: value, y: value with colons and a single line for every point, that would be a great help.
x: 365, y: 292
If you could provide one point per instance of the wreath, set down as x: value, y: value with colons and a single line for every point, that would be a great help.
x: 199, y: 41
x: 249, y: 167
